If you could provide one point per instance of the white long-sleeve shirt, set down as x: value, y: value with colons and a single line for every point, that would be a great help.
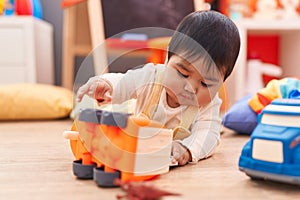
x: 206, y: 127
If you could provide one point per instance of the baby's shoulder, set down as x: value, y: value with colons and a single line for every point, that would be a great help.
x: 153, y: 67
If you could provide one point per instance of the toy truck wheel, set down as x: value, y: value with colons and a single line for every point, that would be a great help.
x: 83, y: 171
x: 255, y: 178
x: 105, y: 179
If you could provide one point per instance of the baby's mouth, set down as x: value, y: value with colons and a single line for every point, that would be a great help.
x: 186, y: 96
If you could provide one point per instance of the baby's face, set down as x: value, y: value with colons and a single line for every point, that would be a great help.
x: 189, y: 85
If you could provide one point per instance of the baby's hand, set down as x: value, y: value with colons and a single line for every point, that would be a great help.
x: 180, y: 153
x: 96, y: 88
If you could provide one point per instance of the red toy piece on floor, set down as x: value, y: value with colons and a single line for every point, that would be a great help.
x: 141, y: 191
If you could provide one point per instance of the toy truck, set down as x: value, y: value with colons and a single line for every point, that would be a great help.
x: 273, y: 151
x: 109, y: 145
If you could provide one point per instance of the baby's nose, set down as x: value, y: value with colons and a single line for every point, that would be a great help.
x: 190, y: 88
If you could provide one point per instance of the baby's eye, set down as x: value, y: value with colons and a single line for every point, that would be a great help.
x: 182, y: 74
x: 204, y: 84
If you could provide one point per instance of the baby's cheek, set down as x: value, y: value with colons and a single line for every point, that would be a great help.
x: 205, y: 97
x: 173, y: 83
x: 204, y: 100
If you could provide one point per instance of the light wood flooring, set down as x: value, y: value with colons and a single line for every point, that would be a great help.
x: 36, y: 163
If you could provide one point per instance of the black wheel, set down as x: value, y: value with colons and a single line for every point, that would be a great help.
x: 83, y: 171
x: 105, y: 179
x: 255, y: 178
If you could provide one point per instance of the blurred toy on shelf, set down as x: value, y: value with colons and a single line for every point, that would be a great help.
x: 2, y: 2
x: 7, y: 7
x: 238, y: 9
x: 22, y: 7
x: 267, y: 9
x: 290, y: 8
x: 256, y: 69
x: 276, y: 9
x: 264, y: 9
x: 37, y: 9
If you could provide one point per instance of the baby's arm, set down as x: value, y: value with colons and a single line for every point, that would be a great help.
x: 205, y: 133
x: 118, y: 87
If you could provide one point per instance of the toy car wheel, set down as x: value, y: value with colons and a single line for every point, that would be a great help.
x: 255, y: 178
x: 83, y: 171
x: 105, y: 179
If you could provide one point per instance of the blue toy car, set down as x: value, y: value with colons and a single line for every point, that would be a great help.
x: 273, y: 151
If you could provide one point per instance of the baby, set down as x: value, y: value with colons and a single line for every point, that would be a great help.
x: 182, y: 93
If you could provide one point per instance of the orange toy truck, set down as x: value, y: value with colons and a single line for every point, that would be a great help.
x: 109, y: 145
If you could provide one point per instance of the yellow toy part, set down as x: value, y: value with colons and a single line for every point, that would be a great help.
x: 2, y: 2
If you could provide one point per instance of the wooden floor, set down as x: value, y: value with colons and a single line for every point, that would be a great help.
x: 35, y: 163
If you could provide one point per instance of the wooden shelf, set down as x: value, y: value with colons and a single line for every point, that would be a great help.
x: 289, y: 49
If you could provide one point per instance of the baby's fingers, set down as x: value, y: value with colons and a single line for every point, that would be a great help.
x: 106, y: 98
x: 96, y: 88
x: 102, y: 92
x: 88, y: 88
x: 180, y: 153
x: 81, y: 92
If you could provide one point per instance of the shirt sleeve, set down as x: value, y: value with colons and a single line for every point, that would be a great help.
x: 126, y: 86
x: 205, y: 131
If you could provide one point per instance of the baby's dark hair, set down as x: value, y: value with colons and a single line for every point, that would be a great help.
x: 216, y: 34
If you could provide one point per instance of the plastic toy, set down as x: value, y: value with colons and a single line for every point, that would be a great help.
x: 111, y: 145
x: 2, y: 2
x: 37, y: 9
x: 8, y: 7
x: 24, y: 7
x: 256, y: 69
x: 273, y: 151
x: 141, y: 191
